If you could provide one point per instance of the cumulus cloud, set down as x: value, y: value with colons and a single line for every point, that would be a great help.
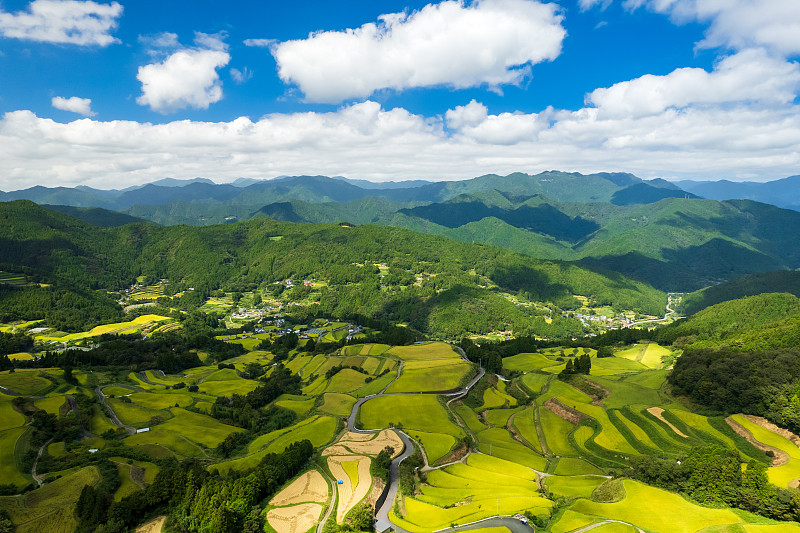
x: 714, y: 140
x: 491, y: 42
x: 187, y: 77
x: 748, y: 76
x: 82, y: 106
x: 69, y: 22
x: 774, y: 24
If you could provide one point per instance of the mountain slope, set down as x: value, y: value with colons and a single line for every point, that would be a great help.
x: 254, y: 254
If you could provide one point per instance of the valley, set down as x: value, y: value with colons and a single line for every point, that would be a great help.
x: 297, y: 377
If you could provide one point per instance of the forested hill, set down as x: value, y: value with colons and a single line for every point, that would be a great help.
x: 741, y: 287
x: 440, y: 286
x: 743, y: 356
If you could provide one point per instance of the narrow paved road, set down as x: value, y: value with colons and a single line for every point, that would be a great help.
x: 394, y: 471
x: 325, y: 518
x: 114, y: 418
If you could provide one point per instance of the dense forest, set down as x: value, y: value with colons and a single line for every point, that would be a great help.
x: 430, y: 281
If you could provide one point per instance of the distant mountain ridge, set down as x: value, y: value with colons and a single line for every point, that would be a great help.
x: 782, y: 193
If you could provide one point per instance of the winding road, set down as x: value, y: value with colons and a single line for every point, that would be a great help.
x: 112, y: 414
x: 382, y: 513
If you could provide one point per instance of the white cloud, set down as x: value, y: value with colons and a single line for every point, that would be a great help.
x: 211, y: 41
x: 160, y: 41
x: 261, y: 43
x: 748, y: 76
x: 82, y: 106
x: 58, y: 21
x: 712, y: 140
x: 187, y: 77
x: 491, y: 42
x: 241, y: 76
x: 738, y: 24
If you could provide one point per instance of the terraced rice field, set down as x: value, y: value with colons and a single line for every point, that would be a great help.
x: 556, y: 430
x: 650, y: 354
x: 436, y: 445
x: 308, y: 487
x: 573, y: 486
x: 527, y: 362
x: 25, y: 382
x: 779, y: 475
x: 434, y: 375
x: 9, y: 417
x: 353, y: 471
x: 499, y: 443
x: 337, y: 404
x: 299, y: 404
x: 8, y: 464
x: 317, y: 429
x: 657, y: 510
x: 465, y: 492
x: 421, y: 412
x: 430, y: 350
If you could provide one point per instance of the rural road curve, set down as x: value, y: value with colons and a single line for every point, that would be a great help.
x: 408, y: 445
x: 99, y: 390
x: 35, y: 477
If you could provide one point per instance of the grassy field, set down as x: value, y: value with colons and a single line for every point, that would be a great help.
x: 527, y: 362
x: 535, y: 382
x: 228, y: 387
x: 155, y: 400
x: 319, y: 430
x: 337, y: 404
x: 8, y: 464
x: 657, y: 510
x: 649, y: 355
x: 571, y: 521
x: 299, y: 404
x: 25, y: 382
x: 499, y: 417
x: 51, y: 507
x: 9, y: 418
x: 198, y: 428
x: 626, y: 393
x: 436, y: 375
x: 423, y: 413
x: 135, y: 415
x: 493, y: 399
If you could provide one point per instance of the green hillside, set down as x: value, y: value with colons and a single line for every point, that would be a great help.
x: 427, y: 276
x: 747, y: 285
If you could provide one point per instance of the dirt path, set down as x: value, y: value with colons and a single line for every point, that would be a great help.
x: 540, y: 431
x: 562, y: 411
x: 153, y: 526
x: 598, y: 524
x: 36, y: 477
x: 780, y: 458
x: 658, y: 412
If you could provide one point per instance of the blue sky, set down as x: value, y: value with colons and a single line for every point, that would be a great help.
x: 118, y: 93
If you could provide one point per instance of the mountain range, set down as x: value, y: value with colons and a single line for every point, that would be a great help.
x: 656, y: 231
